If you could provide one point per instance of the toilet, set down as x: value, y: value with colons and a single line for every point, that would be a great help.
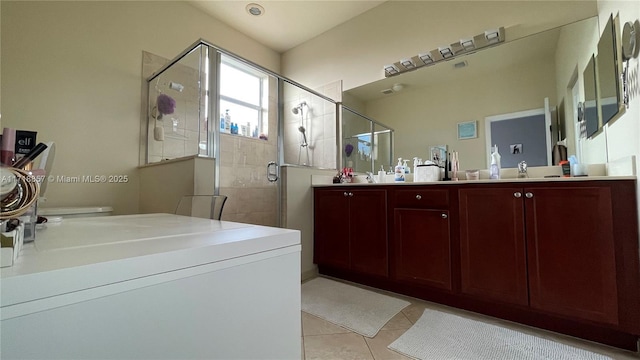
x: 75, y: 212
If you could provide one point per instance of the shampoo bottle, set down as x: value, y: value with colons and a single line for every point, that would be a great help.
x: 494, y: 170
x: 227, y: 122
x: 399, y: 172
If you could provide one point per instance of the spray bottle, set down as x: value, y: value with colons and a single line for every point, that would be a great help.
x: 494, y: 169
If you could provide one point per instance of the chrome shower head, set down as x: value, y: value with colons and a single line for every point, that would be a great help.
x: 304, y: 136
x: 298, y: 108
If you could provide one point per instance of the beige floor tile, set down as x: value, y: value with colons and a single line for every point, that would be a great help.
x: 378, y: 345
x: 414, y: 311
x: 398, y: 322
x: 313, y: 325
x: 348, y: 346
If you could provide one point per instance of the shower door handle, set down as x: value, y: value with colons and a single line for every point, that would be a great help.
x: 272, y: 171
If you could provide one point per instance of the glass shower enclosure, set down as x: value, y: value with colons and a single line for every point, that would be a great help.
x: 367, y: 145
x: 210, y: 103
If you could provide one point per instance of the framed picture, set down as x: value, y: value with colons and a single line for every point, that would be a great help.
x: 467, y: 130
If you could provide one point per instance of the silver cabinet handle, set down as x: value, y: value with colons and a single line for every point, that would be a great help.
x: 345, y: 194
x: 528, y: 195
x: 350, y: 194
x: 517, y: 194
x: 444, y: 216
x: 418, y: 196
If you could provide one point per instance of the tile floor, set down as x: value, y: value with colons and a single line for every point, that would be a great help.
x: 322, y: 340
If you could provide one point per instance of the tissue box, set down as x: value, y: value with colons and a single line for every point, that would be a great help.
x: 11, y: 242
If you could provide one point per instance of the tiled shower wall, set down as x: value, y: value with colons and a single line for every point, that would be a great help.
x: 183, y: 129
x: 319, y: 121
x: 243, y: 172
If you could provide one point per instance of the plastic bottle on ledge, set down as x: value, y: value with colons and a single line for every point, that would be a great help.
x: 494, y: 169
x: 227, y: 122
x: 399, y: 172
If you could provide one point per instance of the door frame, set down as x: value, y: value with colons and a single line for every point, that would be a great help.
x: 514, y: 115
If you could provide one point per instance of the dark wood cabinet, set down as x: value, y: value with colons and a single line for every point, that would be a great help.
x: 559, y: 255
x: 422, y: 238
x: 331, y: 229
x: 571, y: 254
x: 350, y: 230
x: 549, y: 248
x: 493, y: 258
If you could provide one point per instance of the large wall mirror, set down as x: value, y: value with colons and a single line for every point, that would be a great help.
x: 590, y: 98
x: 511, y: 77
x: 607, y: 69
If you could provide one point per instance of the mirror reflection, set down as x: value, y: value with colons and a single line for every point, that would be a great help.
x: 366, y: 144
x: 608, y: 95
x: 590, y: 108
x: 513, y: 77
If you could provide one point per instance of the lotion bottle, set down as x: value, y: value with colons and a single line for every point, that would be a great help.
x: 494, y: 170
x: 399, y: 172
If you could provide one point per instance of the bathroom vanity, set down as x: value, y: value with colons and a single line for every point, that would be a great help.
x: 155, y: 286
x: 556, y: 254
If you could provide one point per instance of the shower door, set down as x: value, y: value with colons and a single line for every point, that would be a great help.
x: 245, y: 115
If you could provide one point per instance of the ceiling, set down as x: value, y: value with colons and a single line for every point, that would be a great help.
x: 285, y: 24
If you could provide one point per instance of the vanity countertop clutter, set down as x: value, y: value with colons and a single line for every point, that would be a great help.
x: 556, y: 253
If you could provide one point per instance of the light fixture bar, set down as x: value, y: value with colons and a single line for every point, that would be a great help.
x: 445, y: 52
x: 426, y: 58
x: 407, y: 63
x: 467, y: 44
x: 464, y: 46
x: 391, y: 70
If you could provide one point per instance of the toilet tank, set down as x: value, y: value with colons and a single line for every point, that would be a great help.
x: 76, y: 212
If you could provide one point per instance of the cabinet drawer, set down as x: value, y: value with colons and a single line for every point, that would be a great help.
x: 421, y: 198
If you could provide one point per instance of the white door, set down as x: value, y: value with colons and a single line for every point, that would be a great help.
x: 520, y: 136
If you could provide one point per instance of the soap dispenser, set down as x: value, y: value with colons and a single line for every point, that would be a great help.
x: 494, y: 169
x: 406, y: 167
x: 399, y: 172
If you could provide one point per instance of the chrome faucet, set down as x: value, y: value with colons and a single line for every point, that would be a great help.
x: 522, y: 169
x: 371, y: 178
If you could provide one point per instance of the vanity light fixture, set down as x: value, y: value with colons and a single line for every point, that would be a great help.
x: 426, y: 58
x: 445, y: 52
x: 255, y: 9
x: 407, y: 63
x: 466, y: 45
x: 492, y: 36
x: 391, y: 70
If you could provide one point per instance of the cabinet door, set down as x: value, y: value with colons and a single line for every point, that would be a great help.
x: 571, y: 255
x: 492, y: 247
x: 368, y: 232
x: 422, y: 247
x: 331, y: 228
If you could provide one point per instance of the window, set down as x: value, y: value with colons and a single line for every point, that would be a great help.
x: 243, y: 94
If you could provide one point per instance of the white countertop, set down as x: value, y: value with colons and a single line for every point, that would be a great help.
x: 482, y: 181
x: 89, y: 252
